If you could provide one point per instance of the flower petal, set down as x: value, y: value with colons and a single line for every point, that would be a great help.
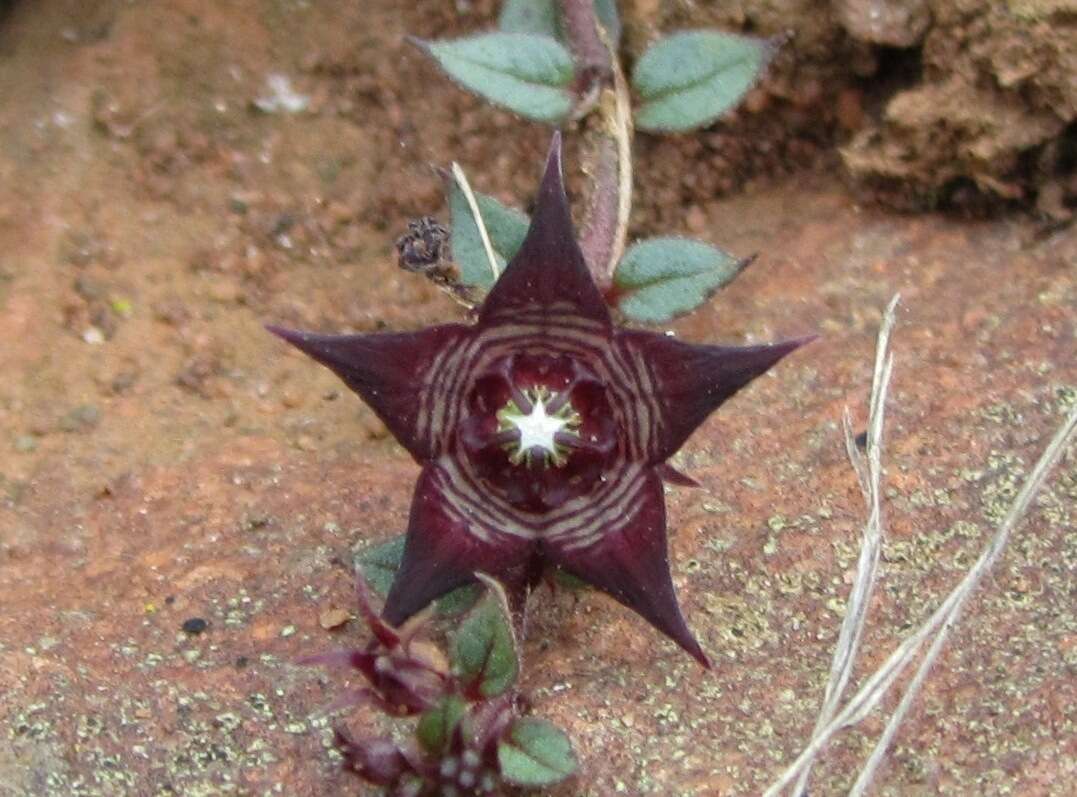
x: 445, y: 546
x: 548, y: 275
x: 630, y: 562
x: 388, y: 372
x: 687, y: 382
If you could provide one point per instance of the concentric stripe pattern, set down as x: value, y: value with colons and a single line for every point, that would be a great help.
x: 552, y: 331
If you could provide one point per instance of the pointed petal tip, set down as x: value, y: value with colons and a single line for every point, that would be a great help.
x: 783, y: 348
x: 396, y: 610
x: 677, y: 630
x: 553, y: 176
x: 292, y: 336
x: 696, y: 652
x: 304, y: 341
x: 554, y: 152
x: 803, y: 340
x: 549, y: 268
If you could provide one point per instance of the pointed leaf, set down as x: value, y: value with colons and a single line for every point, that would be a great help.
x: 379, y: 564
x: 531, y: 75
x: 530, y: 16
x: 689, y: 79
x: 484, y: 652
x: 662, y: 278
x: 507, y: 228
x: 535, y: 753
x: 436, y: 725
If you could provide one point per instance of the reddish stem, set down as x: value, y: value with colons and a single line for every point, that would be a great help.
x: 609, y: 152
x: 581, y: 30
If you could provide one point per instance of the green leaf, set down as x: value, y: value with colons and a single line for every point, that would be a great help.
x: 535, y: 753
x: 484, y: 646
x: 566, y: 580
x: 506, y: 227
x: 379, y: 564
x: 437, y: 724
x: 529, y: 74
x: 661, y: 278
x: 530, y: 16
x: 690, y: 79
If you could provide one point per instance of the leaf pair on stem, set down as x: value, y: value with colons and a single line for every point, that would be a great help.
x: 683, y: 82
x: 555, y: 61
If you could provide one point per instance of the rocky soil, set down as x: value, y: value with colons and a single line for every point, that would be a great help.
x: 164, y: 461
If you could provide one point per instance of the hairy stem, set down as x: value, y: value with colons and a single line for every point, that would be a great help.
x: 608, y: 139
x: 583, y: 32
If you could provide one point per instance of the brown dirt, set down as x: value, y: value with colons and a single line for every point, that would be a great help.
x: 992, y: 117
x: 964, y: 104
x: 162, y: 458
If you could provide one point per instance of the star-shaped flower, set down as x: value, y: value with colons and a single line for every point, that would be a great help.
x: 543, y: 430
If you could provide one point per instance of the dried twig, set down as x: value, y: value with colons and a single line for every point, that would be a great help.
x: 473, y: 205
x: 869, y: 474
x: 938, y: 626
x: 959, y: 596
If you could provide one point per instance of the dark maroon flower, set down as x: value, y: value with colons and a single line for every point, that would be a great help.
x: 542, y: 429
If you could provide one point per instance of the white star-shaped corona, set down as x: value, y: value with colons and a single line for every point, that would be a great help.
x: 538, y: 428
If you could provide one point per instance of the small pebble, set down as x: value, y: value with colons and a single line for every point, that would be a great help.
x: 194, y: 626
x: 287, y: 631
x: 333, y: 618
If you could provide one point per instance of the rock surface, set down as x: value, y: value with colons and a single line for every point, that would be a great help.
x: 167, y: 555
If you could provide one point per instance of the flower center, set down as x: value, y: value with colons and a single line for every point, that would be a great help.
x: 538, y: 430
x: 536, y: 418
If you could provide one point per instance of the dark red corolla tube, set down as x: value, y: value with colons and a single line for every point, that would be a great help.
x: 543, y: 430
